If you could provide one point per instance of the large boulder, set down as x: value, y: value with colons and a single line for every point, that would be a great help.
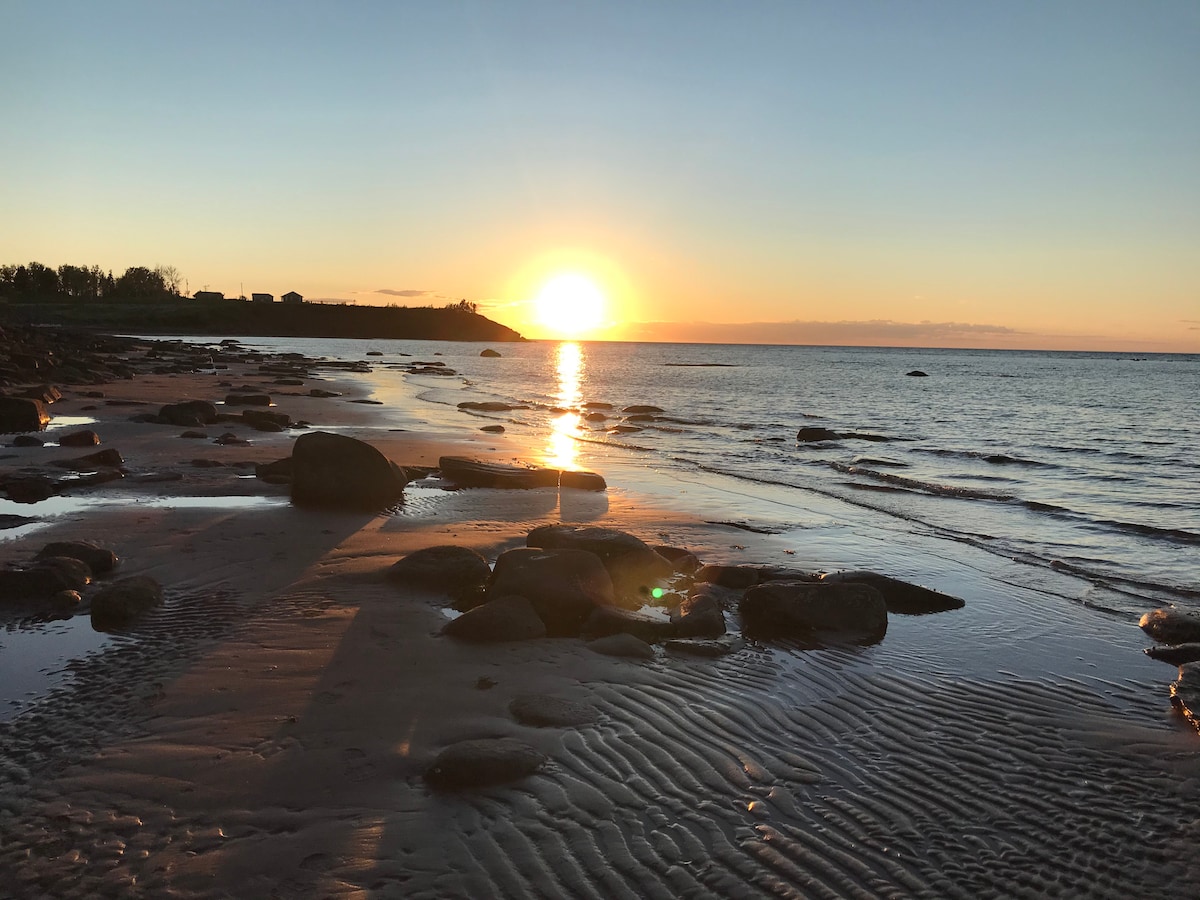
x: 900, y: 596
x: 606, y: 620
x: 36, y: 582
x: 699, y: 616
x: 634, y: 567
x: 22, y: 414
x: 506, y: 618
x: 188, y: 412
x: 803, y: 610
x: 482, y: 762
x: 473, y: 473
x: 1175, y: 654
x: 564, y: 586
x: 99, y: 559
x: 337, y: 471
x: 108, y: 458
x: 123, y: 601
x: 446, y: 568
x: 85, y: 438
x: 1171, y: 626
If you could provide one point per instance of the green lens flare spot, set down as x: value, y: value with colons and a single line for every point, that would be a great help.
x: 657, y: 593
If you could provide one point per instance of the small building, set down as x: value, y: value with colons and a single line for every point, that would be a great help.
x: 263, y: 298
x: 292, y: 297
x: 208, y: 295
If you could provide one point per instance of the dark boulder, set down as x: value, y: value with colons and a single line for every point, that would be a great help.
x: 29, y: 488
x: 446, y: 568
x: 76, y: 573
x: 506, y: 618
x: 265, y: 420
x: 783, y: 609
x: 685, y: 562
x: 812, y: 433
x: 337, y: 471
x: 188, y: 412
x: 482, y: 762
x: 248, y: 400
x: 917, y: 373
x: 606, y: 620
x: 36, y: 582
x: 1170, y: 626
x: 27, y: 440
x: 643, y: 409
x: 277, y: 472
x: 229, y: 438
x: 582, y: 481
x: 735, y: 577
x: 900, y: 596
x: 545, y: 711
x: 99, y: 559
x: 46, y: 393
x: 634, y: 567
x: 699, y: 616
x: 625, y: 645
x: 22, y: 414
x: 490, y: 353
x: 1175, y: 654
x: 564, y: 586
x: 474, y: 473
x: 493, y: 429
x: 123, y: 601
x: 109, y: 458
x: 85, y: 438
x: 488, y: 406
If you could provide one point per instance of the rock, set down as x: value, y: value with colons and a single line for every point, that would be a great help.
x: 277, y: 472
x: 482, y: 762
x: 488, y: 406
x: 473, y: 473
x: 374, y: 353
x: 46, y: 393
x: 321, y: 392
x: 917, y: 373
x: 1170, y: 626
x: 36, y: 582
x: 229, y: 438
x: 188, y: 412
x: 99, y: 559
x: 564, y: 586
x: 900, y: 596
x: 76, y: 573
x: 707, y: 648
x: 490, y: 353
x: 85, y: 438
x: 685, y: 562
x: 493, y: 429
x: 643, y: 409
x: 582, y: 481
x: 22, y: 414
x: 784, y: 609
x: 595, y: 417
x: 29, y: 489
x: 248, y: 400
x: 446, y: 568
x: 27, y: 440
x: 545, y: 711
x: 622, y: 645
x: 507, y: 618
x: 699, y: 616
x: 606, y: 620
x: 812, y: 433
x: 123, y: 601
x: 337, y: 471
x: 736, y: 577
x: 265, y: 420
x: 595, y: 404
x: 1175, y: 654
x: 110, y: 458
x: 635, y: 568
x: 1185, y: 693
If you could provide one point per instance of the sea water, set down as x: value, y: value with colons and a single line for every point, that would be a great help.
x: 1076, y: 471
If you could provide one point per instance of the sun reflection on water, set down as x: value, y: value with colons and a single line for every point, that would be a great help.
x: 561, y: 449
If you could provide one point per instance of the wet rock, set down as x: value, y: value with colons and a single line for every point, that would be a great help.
x: 121, y: 602
x: 46, y: 393
x: 699, y: 616
x: 606, y: 620
x: 36, y: 582
x: 812, y: 433
x: 736, y: 577
x: 900, y: 596
x: 27, y: 440
x: 784, y: 609
x: 488, y: 406
x: 493, y: 429
x: 507, y: 618
x: 277, y: 472
x: 474, y: 473
x: 483, y: 762
x: 109, y: 458
x: 564, y: 586
x: 625, y: 645
x: 634, y: 567
x: 582, y: 481
x: 248, y: 400
x: 76, y: 574
x: 1185, y: 693
x: 1170, y: 626
x: 229, y: 438
x: 85, y: 438
x: 917, y: 373
x: 265, y: 420
x: 684, y: 562
x: 1175, y: 654
x: 99, y: 559
x: 337, y: 471
x: 545, y: 711
x: 321, y: 392
x: 22, y: 414
x: 446, y: 568
x: 643, y: 409
x: 490, y: 353
x: 29, y: 488
x: 193, y: 435
x: 188, y: 412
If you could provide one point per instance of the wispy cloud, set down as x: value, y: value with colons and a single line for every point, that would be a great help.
x: 405, y: 293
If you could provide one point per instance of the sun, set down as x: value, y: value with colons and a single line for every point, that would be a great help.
x: 570, y: 304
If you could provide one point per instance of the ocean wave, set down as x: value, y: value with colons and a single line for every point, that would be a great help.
x: 996, y: 459
x: 916, y: 484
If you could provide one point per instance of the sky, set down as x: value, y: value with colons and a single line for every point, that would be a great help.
x: 1008, y: 174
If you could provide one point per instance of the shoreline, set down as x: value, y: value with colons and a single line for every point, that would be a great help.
x: 270, y: 728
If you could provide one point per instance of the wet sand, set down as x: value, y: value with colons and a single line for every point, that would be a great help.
x: 265, y: 732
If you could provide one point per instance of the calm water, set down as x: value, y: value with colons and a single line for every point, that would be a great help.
x: 1081, y: 464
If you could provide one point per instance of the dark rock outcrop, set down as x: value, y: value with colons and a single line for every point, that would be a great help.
x: 188, y: 412
x: 506, y: 618
x: 606, y: 620
x: 900, y: 596
x: 36, y: 582
x: 99, y: 559
x: 812, y: 433
x: 85, y: 438
x: 474, y: 473
x: 489, y: 352
x: 445, y: 568
x: 699, y: 616
x: 1175, y: 654
x: 22, y: 414
x: 340, y: 472
x: 482, y: 762
x: 685, y: 562
x: 582, y: 481
x: 917, y: 373
x: 634, y: 567
x: 1170, y: 626
x: 783, y: 609
x: 108, y: 458
x: 564, y: 586
x: 121, y: 602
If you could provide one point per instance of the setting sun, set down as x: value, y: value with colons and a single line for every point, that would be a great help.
x: 570, y: 304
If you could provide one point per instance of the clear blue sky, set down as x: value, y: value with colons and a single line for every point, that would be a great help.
x: 1029, y: 170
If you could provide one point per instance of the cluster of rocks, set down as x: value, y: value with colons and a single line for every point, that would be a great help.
x: 1178, y: 643
x: 623, y: 597
x: 60, y: 581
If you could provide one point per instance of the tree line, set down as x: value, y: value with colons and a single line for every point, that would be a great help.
x: 37, y: 283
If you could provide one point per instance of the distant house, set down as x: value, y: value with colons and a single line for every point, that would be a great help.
x: 209, y: 295
x: 292, y: 297
x: 263, y: 298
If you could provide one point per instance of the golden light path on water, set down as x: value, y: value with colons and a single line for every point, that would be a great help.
x: 564, y: 428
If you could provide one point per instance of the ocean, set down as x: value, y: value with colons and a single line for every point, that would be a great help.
x: 1077, y: 473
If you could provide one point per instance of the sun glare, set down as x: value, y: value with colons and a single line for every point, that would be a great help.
x: 570, y: 304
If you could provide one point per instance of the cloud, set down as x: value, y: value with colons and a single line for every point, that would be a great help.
x: 406, y: 293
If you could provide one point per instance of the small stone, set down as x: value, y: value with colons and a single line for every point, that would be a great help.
x: 625, y: 645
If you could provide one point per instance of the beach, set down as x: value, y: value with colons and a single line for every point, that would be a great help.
x: 268, y: 731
